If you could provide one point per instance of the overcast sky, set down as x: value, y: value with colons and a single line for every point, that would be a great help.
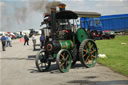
x: 17, y: 15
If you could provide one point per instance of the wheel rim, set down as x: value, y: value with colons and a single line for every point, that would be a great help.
x: 42, y: 62
x: 89, y: 53
x: 64, y: 60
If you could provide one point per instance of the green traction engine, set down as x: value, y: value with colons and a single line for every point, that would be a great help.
x: 65, y: 43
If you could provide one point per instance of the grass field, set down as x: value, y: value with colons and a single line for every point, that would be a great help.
x: 117, y: 54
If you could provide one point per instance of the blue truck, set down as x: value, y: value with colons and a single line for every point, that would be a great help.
x: 105, y: 26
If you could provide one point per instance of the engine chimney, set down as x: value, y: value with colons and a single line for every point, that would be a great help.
x: 62, y: 7
x: 53, y: 22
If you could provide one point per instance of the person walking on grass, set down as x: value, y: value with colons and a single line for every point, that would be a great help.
x: 26, y: 39
x: 3, y: 41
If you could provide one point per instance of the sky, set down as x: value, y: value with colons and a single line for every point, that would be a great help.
x: 18, y: 15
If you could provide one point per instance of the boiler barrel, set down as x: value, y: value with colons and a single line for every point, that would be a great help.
x: 66, y: 44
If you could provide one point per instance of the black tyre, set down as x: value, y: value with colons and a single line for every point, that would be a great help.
x: 63, y: 60
x: 88, y: 53
x: 41, y: 61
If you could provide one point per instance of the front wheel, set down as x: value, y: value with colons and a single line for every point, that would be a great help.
x: 42, y: 62
x: 63, y: 60
x: 88, y: 53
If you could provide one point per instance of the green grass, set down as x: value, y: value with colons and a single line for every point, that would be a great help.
x: 117, y: 54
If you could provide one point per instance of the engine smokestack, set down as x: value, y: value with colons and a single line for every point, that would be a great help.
x: 62, y: 7
x: 53, y: 22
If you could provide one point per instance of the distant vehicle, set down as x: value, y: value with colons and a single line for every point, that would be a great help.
x: 97, y: 34
x: 94, y: 25
x: 17, y: 35
x: 13, y: 36
x: 107, y: 34
x: 1, y: 35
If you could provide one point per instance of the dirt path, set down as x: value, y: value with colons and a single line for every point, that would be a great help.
x: 17, y: 67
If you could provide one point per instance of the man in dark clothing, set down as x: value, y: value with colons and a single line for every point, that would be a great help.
x: 26, y: 40
x: 41, y: 41
x: 3, y: 41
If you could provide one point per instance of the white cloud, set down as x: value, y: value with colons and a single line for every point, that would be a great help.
x: 105, y: 7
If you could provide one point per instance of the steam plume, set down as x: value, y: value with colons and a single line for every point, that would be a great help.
x: 12, y: 22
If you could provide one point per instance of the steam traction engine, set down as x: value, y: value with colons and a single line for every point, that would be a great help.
x: 65, y: 43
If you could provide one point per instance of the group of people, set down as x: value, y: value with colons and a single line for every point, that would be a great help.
x: 6, y: 41
x: 42, y: 38
x: 26, y: 40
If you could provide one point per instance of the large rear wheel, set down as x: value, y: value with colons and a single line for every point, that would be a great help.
x: 42, y: 62
x: 88, y: 53
x: 64, y: 60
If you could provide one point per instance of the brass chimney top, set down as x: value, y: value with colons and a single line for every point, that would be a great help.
x: 61, y: 5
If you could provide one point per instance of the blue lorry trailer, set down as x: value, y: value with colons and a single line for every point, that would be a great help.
x: 115, y: 23
x: 111, y: 22
x: 105, y: 26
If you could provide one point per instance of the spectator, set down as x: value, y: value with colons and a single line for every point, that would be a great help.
x: 34, y: 38
x: 26, y: 39
x: 8, y: 41
x: 42, y: 40
x: 3, y: 41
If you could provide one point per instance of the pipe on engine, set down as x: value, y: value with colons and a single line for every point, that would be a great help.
x: 53, y: 22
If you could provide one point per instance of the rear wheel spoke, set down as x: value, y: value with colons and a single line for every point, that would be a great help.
x: 87, y: 59
x: 88, y: 53
x: 92, y: 51
x: 92, y: 59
